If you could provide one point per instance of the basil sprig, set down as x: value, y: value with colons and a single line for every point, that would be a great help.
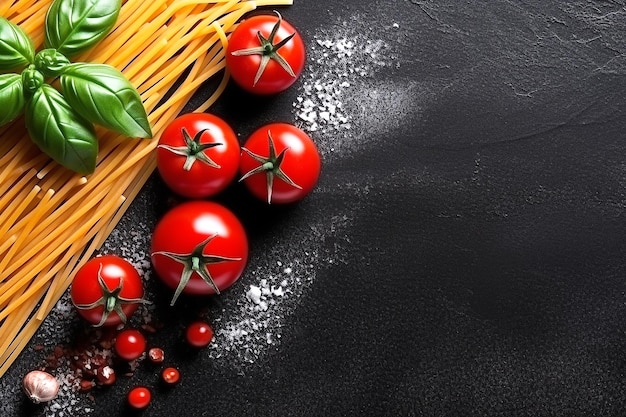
x: 61, y: 123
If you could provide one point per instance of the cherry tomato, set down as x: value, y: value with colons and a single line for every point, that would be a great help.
x: 199, y: 334
x: 280, y: 163
x: 139, y: 397
x: 199, y: 247
x: 130, y: 344
x: 198, y: 155
x: 265, y: 54
x: 107, y: 290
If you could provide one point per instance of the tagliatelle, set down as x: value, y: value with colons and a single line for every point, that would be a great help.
x: 53, y: 220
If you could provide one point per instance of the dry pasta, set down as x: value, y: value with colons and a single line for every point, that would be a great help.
x: 54, y: 220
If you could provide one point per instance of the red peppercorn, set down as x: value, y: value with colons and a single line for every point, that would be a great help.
x: 130, y: 344
x: 106, y: 375
x: 170, y: 375
x: 199, y: 334
x: 156, y: 355
x: 139, y: 397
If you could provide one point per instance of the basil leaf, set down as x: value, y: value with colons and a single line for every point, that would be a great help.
x: 16, y: 48
x: 73, y: 26
x: 102, y: 95
x: 32, y: 80
x: 51, y: 62
x: 60, y: 132
x: 11, y: 97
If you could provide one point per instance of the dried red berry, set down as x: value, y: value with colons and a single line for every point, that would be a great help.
x: 106, y: 375
x: 156, y: 355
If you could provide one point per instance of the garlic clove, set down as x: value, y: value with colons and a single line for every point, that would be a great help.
x: 40, y: 386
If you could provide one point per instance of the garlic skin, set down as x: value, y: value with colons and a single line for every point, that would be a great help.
x: 40, y: 386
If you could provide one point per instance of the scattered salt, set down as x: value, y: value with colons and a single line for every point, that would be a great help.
x: 337, y: 65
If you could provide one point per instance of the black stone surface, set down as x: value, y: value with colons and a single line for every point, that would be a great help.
x: 468, y: 228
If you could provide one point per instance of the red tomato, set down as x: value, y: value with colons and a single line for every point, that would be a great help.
x: 265, y: 54
x: 107, y: 290
x: 199, y: 247
x: 199, y: 334
x: 198, y: 155
x: 139, y: 397
x: 130, y: 344
x: 280, y: 163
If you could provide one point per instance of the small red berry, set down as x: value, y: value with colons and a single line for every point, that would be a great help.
x: 139, y: 397
x: 130, y: 344
x: 199, y: 334
x: 170, y: 376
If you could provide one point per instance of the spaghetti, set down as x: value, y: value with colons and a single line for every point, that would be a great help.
x: 53, y: 220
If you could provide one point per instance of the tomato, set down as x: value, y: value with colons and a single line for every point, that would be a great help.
x: 265, y: 54
x: 130, y: 344
x: 107, y: 290
x: 199, y: 334
x: 139, y: 397
x: 199, y: 247
x: 198, y: 155
x: 280, y: 163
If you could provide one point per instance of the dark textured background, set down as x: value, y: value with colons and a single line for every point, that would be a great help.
x: 482, y: 273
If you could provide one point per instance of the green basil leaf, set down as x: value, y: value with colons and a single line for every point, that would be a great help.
x: 32, y: 80
x: 102, y: 95
x: 11, y: 97
x: 16, y: 48
x: 73, y: 26
x: 51, y: 62
x: 60, y: 132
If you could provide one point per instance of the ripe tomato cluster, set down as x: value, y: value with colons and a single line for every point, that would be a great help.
x: 198, y: 157
x: 199, y: 246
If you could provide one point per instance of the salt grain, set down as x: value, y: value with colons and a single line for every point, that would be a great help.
x: 336, y: 65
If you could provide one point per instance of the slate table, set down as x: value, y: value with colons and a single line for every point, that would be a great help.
x: 463, y: 254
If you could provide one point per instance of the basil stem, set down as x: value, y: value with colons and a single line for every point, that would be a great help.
x: 11, y: 97
x: 73, y: 26
x: 60, y: 132
x: 16, y: 48
x: 102, y: 95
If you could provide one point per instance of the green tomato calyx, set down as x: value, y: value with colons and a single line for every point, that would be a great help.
x: 197, y: 262
x: 193, y: 150
x: 111, y: 301
x: 268, y: 51
x: 269, y: 165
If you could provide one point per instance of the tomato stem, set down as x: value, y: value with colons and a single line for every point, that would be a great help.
x: 270, y: 165
x: 195, y: 261
x: 193, y: 150
x: 268, y: 51
x: 111, y: 301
